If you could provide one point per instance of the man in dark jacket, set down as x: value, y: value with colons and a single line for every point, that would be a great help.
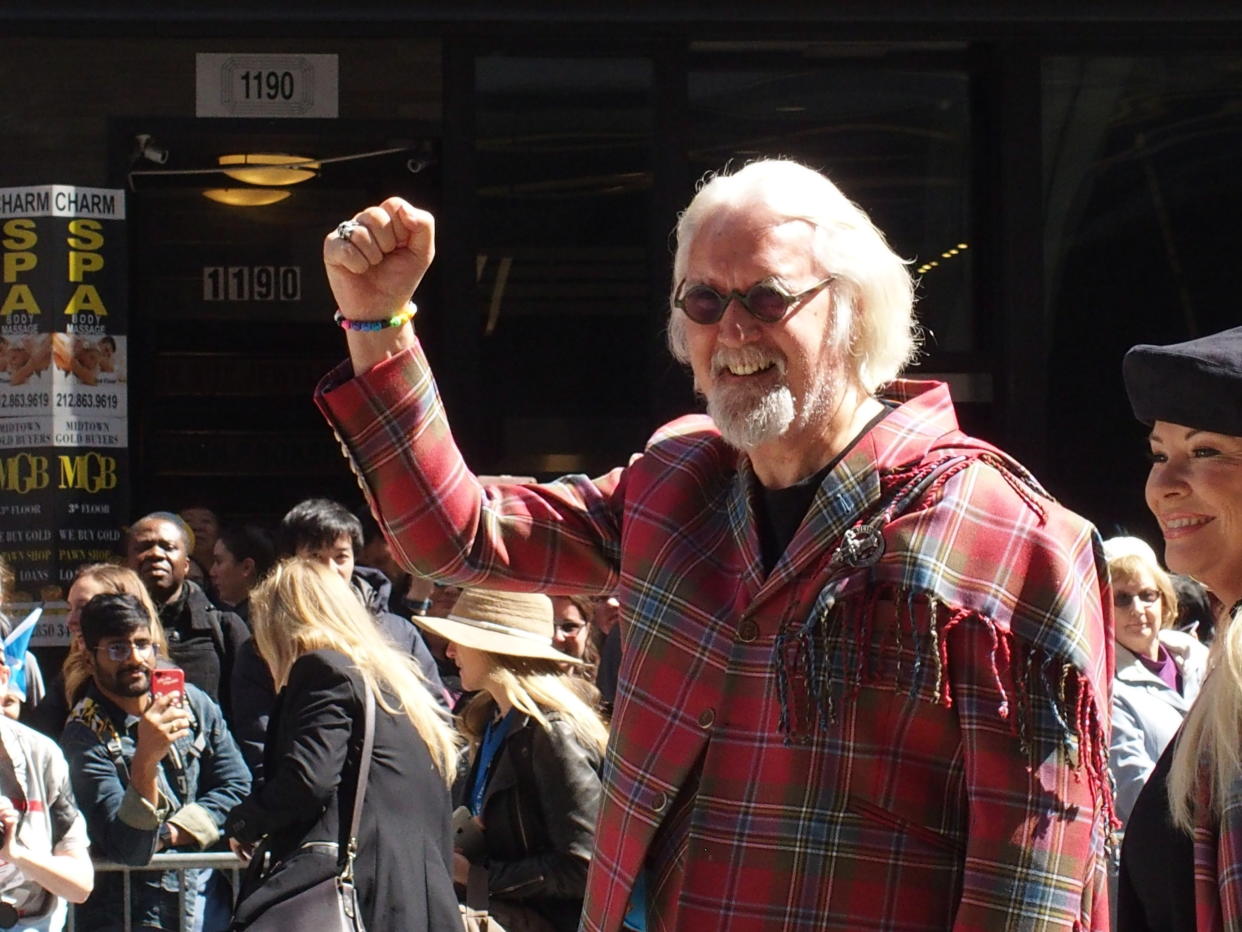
x: 241, y: 557
x: 323, y: 530
x: 149, y: 773
x: 202, y: 640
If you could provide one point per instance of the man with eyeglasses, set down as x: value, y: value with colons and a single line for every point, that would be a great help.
x: 150, y: 773
x: 865, y: 682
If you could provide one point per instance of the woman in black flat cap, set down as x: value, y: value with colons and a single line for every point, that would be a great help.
x: 1181, y: 863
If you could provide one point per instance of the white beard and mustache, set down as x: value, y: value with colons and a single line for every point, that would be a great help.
x: 748, y: 426
x: 749, y: 416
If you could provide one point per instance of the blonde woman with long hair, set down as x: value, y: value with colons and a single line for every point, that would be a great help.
x: 93, y: 579
x: 532, y: 781
x: 325, y: 656
x: 1181, y: 864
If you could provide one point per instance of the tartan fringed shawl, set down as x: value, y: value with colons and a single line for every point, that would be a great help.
x: 836, y: 652
x: 838, y: 649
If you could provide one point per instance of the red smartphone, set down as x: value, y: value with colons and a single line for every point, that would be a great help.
x: 166, y: 680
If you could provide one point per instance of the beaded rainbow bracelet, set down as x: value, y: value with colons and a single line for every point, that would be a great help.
x: 402, y: 316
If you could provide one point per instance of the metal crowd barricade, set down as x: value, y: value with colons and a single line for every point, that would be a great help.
x: 220, y: 860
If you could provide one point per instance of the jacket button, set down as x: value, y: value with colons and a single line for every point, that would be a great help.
x: 747, y: 631
x: 659, y: 802
x: 707, y: 717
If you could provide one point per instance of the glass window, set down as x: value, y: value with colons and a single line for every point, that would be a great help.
x: 564, y: 180
x: 893, y: 134
x: 1141, y: 189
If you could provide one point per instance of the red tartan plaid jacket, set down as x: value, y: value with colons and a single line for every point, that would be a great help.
x: 915, y: 744
x: 1218, y: 855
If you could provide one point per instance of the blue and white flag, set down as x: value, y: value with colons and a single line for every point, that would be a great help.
x: 15, y: 649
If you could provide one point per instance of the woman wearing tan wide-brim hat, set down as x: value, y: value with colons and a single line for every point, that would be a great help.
x: 535, y: 751
x: 513, y: 624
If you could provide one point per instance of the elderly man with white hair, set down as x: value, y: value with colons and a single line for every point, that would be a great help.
x: 866, y: 672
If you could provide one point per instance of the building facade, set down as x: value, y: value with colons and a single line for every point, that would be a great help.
x: 1063, y: 178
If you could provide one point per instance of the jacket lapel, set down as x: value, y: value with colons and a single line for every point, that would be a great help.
x: 740, y: 508
x: 846, y: 493
x: 504, y: 773
x: 1134, y: 673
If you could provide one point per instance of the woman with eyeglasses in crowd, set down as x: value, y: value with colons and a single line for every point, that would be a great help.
x: 1158, y: 669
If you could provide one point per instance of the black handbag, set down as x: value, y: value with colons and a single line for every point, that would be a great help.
x: 332, y: 904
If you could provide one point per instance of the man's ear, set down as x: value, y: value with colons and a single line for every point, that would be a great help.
x: 248, y: 567
x: 5, y: 673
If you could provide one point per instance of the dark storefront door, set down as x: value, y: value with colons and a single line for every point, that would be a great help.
x: 232, y: 313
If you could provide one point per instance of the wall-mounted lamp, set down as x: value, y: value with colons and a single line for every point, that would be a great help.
x: 268, y: 168
x: 263, y: 169
x: 246, y: 197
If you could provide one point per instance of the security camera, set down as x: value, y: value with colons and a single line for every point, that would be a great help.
x: 149, y: 151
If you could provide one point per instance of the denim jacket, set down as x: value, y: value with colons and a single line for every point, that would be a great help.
x: 201, y: 778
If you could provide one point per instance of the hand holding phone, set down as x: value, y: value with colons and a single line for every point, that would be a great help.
x: 168, y: 681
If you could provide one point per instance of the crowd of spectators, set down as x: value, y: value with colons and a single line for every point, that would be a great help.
x: 163, y: 773
x: 151, y: 776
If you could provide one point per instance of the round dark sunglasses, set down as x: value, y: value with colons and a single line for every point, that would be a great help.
x: 766, y: 301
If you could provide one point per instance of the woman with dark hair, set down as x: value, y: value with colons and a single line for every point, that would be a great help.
x: 1181, y: 864
x: 532, y: 784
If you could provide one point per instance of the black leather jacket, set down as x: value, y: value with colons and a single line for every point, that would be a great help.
x: 539, y: 814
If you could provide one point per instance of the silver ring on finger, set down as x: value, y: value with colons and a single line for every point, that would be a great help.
x: 346, y: 229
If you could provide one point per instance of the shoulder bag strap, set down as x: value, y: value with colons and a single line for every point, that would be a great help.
x: 88, y: 713
x: 364, y: 772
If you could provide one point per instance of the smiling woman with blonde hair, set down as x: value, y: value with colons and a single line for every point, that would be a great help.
x: 1181, y: 864
x: 325, y: 656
